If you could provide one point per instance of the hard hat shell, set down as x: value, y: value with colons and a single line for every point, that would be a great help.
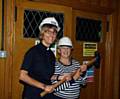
x: 49, y: 21
x: 65, y: 41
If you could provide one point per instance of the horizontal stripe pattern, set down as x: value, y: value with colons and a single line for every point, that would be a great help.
x: 68, y: 90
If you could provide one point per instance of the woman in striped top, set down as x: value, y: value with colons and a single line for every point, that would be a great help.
x: 64, y: 67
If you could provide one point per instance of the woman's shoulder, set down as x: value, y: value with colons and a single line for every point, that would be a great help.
x: 32, y: 50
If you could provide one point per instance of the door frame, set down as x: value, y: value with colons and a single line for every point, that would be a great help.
x: 20, y: 47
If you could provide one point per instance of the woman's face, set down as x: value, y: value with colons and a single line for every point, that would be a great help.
x: 65, y: 52
x: 49, y: 36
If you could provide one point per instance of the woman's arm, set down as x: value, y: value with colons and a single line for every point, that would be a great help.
x: 29, y: 80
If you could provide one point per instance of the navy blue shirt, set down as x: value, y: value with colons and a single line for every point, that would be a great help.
x: 39, y: 61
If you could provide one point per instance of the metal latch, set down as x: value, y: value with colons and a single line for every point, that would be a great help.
x: 3, y: 54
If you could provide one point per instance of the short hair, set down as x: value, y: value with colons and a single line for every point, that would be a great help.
x: 44, y: 29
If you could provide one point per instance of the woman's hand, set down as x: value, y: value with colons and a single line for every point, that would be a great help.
x: 49, y: 88
x: 83, y: 68
x: 77, y: 74
x: 80, y: 71
x: 67, y: 76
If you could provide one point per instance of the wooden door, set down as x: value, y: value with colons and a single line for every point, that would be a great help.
x: 22, y: 42
x: 93, y: 89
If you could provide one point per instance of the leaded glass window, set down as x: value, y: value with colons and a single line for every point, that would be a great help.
x: 88, y: 29
x: 32, y: 19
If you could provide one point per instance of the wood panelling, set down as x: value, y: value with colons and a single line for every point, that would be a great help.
x: 2, y: 60
x: 0, y: 22
x: 99, y: 6
x: 2, y: 78
x: 108, y: 69
x: 22, y: 44
x: 8, y: 32
x: 49, y: 7
x: 116, y: 80
x: 93, y: 89
x: 109, y: 73
x: 95, y: 2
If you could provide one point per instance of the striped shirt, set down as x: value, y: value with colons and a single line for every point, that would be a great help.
x: 69, y: 89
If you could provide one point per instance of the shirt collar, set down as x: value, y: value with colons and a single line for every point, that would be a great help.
x: 44, y: 47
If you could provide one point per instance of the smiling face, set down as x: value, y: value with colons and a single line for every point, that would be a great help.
x: 65, y: 52
x: 48, y: 35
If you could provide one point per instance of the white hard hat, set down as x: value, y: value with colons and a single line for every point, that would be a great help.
x: 65, y: 41
x: 49, y: 21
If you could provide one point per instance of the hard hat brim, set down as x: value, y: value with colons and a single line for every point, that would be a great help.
x: 50, y: 25
x: 65, y: 46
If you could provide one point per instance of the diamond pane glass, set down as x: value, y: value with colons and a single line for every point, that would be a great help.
x: 88, y: 29
x: 32, y: 19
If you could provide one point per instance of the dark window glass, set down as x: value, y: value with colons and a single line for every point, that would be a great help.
x: 32, y: 19
x: 88, y: 29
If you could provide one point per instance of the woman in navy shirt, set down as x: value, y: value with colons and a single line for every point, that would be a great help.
x: 39, y: 61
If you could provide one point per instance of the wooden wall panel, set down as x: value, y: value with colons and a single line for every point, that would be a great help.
x: 108, y: 69
x: 0, y: 21
x: 93, y: 90
x: 2, y: 76
x: 116, y: 88
x: 95, y: 2
x: 2, y: 61
x: 8, y: 46
x: 99, y: 6
x: 22, y: 44
x: 104, y: 3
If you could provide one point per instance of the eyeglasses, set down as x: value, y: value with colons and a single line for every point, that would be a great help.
x: 51, y: 31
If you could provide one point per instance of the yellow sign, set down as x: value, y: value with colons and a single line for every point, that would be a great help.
x: 89, y: 48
